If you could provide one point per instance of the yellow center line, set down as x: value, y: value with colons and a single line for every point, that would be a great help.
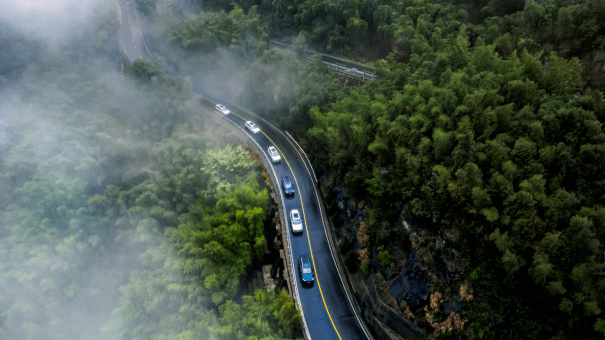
x: 308, y: 238
x: 306, y: 228
x: 241, y: 118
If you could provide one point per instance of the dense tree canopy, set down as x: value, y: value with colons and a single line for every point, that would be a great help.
x: 504, y: 149
x: 116, y: 196
x: 493, y: 130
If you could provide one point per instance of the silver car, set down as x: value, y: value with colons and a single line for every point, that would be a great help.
x: 275, y: 157
x: 222, y: 109
x: 296, y: 221
x: 252, y: 127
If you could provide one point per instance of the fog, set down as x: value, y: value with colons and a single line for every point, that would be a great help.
x: 83, y: 135
x: 54, y: 21
x: 70, y: 125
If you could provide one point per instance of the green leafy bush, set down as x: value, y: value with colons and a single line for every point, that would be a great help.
x: 351, y: 261
x: 345, y: 245
x: 384, y: 257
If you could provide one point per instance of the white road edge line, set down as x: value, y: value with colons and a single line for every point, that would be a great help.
x: 340, y: 275
x: 122, y: 30
x: 295, y: 280
x: 283, y: 207
x: 359, y: 320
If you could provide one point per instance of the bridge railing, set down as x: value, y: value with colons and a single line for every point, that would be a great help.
x: 350, y: 71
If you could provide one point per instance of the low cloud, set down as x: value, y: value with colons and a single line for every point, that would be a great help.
x: 53, y: 21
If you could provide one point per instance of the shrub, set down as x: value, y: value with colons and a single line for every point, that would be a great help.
x: 351, y: 261
x: 365, y: 267
x: 384, y: 257
x: 345, y: 245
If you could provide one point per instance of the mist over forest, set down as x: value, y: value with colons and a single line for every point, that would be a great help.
x: 129, y: 211
x: 104, y: 171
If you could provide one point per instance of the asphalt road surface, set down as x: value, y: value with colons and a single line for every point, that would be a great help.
x: 330, y: 59
x: 130, y: 36
x: 326, y: 309
x: 325, y: 306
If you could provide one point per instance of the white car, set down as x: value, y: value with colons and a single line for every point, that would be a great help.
x: 222, y: 109
x: 252, y: 127
x: 275, y: 157
x: 297, y: 226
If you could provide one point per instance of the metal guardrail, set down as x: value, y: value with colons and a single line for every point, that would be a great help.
x: 335, y: 257
x: 331, y: 236
x: 350, y: 71
x: 285, y: 231
x: 305, y: 154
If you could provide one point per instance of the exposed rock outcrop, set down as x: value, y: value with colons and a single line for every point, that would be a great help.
x: 412, y: 284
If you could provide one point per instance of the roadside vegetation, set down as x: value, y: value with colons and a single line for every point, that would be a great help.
x: 124, y: 213
x: 488, y: 130
x: 490, y: 125
x: 484, y: 127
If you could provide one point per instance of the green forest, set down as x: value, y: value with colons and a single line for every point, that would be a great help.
x: 486, y: 118
x: 123, y: 202
x: 126, y: 213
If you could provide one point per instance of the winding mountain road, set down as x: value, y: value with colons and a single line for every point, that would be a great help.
x: 327, y: 308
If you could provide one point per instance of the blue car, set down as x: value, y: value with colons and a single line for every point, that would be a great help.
x: 287, y: 185
x: 305, y: 270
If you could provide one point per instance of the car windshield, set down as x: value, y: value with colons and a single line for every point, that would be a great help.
x: 273, y: 151
x: 252, y: 125
x: 296, y: 220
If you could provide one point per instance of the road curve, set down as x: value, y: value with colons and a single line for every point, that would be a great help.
x: 130, y: 35
x: 327, y: 311
x: 326, y: 308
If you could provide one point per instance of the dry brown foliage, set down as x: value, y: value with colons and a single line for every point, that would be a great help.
x: 266, y: 177
x: 466, y: 293
x: 452, y: 234
x: 452, y: 322
x: 426, y: 255
x: 362, y: 235
x: 408, y: 314
x: 387, y: 296
x: 436, y: 299
x: 403, y: 306
x: 363, y: 254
